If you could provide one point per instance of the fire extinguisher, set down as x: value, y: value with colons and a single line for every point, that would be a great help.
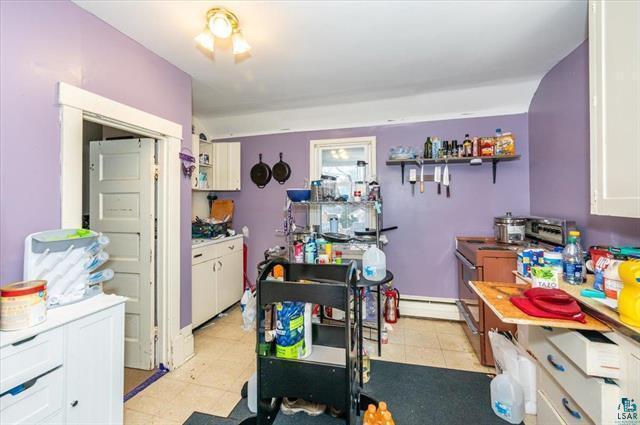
x: 392, y: 305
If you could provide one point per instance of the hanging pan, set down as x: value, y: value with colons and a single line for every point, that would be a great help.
x: 261, y: 173
x: 281, y: 171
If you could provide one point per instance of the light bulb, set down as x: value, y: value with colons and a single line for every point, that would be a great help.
x: 206, y: 40
x: 220, y: 25
x: 240, y: 45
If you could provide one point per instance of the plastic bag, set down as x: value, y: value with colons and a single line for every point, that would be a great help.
x: 248, y: 307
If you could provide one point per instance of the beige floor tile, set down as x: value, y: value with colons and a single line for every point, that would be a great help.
x: 224, y: 330
x: 449, y: 327
x: 454, y: 343
x: 133, y: 417
x: 531, y: 420
x: 165, y: 388
x: 146, y: 404
x: 226, y: 403
x: 391, y: 353
x: 196, y: 398
x: 464, y: 361
x: 396, y: 335
x: 421, y: 338
x: 424, y: 356
x: 417, y: 324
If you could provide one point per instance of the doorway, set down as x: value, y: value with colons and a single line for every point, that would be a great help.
x: 119, y: 192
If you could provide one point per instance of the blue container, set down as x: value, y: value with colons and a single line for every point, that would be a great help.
x: 299, y: 195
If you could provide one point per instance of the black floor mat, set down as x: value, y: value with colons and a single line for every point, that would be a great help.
x: 416, y: 395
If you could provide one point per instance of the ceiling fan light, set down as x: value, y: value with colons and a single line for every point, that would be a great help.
x: 206, y: 40
x: 240, y: 44
x: 220, y: 25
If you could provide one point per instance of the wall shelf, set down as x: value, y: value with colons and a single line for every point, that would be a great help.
x: 441, y: 161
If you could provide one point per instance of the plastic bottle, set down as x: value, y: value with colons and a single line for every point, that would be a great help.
x: 382, y: 409
x: 573, y: 260
x: 388, y: 418
x: 310, y: 250
x: 374, y: 264
x: 498, y: 132
x: 507, y: 398
x: 370, y: 415
x: 370, y: 305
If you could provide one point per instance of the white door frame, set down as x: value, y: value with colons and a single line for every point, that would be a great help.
x: 77, y: 105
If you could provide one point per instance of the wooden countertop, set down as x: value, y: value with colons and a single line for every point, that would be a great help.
x: 594, y: 307
x: 496, y: 296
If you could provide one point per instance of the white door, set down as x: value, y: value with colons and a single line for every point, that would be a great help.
x: 122, y: 207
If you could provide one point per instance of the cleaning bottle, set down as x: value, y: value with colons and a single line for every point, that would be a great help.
x: 382, y: 409
x: 388, y: 419
x: 370, y: 415
x: 374, y: 264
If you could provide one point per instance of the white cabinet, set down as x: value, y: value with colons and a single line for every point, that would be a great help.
x: 614, y: 67
x: 69, y: 369
x: 217, y: 276
x: 225, y: 161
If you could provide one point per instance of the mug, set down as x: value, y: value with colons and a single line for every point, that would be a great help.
x: 322, y: 259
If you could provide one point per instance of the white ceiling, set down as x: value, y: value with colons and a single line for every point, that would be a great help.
x: 309, y: 54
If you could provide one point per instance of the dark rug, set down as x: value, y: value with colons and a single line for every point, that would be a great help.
x: 416, y: 395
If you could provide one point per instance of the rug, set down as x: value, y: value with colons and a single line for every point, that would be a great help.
x: 416, y: 395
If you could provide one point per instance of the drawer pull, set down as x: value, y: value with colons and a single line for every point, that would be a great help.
x: 197, y: 255
x: 572, y: 412
x: 74, y: 403
x: 547, y: 328
x: 558, y: 366
x: 15, y: 344
x: 231, y: 247
x: 22, y: 387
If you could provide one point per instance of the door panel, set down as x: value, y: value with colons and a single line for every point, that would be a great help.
x: 203, y: 293
x: 230, y: 280
x: 122, y: 207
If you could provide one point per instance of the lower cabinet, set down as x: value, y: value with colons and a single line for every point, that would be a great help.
x: 216, y: 276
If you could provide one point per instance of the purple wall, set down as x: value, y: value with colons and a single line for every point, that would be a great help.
x: 559, y: 148
x: 43, y: 43
x: 421, y: 250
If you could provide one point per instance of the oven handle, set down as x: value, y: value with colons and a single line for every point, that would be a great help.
x: 464, y: 261
x: 465, y: 316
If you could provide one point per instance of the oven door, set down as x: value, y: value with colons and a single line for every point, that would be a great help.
x: 468, y: 302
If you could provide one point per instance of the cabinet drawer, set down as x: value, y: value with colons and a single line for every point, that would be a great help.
x: 40, y: 400
x: 597, y: 396
x: 547, y: 415
x: 591, y: 351
x: 200, y: 255
x: 29, y: 358
x: 564, y: 406
x: 228, y: 247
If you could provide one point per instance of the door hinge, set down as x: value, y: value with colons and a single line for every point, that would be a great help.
x: 155, y: 334
x: 151, y: 258
x: 156, y: 173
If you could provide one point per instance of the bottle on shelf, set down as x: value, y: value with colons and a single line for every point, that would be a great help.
x: 467, y: 146
x: 573, y: 260
x: 428, y: 149
x: 311, y: 250
x: 498, y: 132
x: 454, y: 149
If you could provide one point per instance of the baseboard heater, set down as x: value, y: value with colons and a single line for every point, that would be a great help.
x: 428, y: 307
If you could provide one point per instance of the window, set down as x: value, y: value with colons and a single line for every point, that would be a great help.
x: 338, y: 157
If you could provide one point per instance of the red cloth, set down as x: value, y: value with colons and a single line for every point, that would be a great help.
x: 550, y: 304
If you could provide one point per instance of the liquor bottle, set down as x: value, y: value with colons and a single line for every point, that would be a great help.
x: 428, y: 148
x: 454, y: 148
x: 467, y: 146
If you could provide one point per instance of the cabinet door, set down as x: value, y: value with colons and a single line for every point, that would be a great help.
x: 230, y: 279
x: 203, y: 293
x: 94, y: 364
x: 221, y: 166
x: 234, y: 166
x: 614, y: 67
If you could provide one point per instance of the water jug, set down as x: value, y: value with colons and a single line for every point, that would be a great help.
x: 374, y: 264
x: 507, y: 398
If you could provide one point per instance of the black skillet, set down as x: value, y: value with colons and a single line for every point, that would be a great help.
x: 281, y: 171
x: 261, y: 173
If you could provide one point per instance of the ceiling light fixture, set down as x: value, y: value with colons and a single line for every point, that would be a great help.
x: 222, y: 24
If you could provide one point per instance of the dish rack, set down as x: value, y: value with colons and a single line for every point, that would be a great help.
x: 61, y: 257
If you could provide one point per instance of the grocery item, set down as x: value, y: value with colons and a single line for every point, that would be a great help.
x: 486, y: 146
x: 572, y: 260
x: 629, y: 298
x: 22, y: 305
x: 553, y: 259
x: 467, y: 146
x: 475, y: 146
x: 428, y: 149
x: 507, y: 398
x: 374, y: 264
x: 528, y: 258
x: 290, y: 342
x: 545, y: 277
x: 612, y: 280
x: 505, y: 144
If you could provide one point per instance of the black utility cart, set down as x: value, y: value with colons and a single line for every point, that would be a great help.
x: 330, y: 374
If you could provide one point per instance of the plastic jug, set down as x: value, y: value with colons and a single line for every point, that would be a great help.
x: 252, y: 393
x: 507, y: 398
x: 374, y: 264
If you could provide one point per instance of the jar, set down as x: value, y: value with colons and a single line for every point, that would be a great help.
x: 316, y: 191
x: 328, y: 188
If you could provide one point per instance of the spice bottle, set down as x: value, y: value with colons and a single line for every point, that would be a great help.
x: 428, y: 148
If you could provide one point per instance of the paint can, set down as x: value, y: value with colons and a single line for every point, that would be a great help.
x: 22, y: 305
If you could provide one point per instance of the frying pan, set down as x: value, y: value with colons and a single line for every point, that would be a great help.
x: 281, y: 171
x: 261, y: 173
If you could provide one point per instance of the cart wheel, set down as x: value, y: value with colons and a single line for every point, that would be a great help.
x: 245, y: 390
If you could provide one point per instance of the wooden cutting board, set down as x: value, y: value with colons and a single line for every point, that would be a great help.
x: 222, y: 208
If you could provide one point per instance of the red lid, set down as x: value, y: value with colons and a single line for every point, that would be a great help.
x: 27, y: 287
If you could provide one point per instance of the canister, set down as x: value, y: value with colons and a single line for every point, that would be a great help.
x: 22, y: 304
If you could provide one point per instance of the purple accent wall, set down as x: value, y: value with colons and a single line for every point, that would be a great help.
x: 420, y: 252
x: 559, y: 153
x: 42, y: 43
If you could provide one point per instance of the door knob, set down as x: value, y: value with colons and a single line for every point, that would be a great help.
x: 74, y: 403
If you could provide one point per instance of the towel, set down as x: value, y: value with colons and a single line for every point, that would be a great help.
x: 550, y: 304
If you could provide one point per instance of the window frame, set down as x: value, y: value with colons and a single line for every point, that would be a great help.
x: 316, y: 147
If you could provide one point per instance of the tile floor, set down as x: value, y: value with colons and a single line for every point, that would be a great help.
x: 211, y: 381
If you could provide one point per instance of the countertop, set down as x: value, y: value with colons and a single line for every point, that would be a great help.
x: 595, y: 308
x: 198, y: 243
x: 62, y: 315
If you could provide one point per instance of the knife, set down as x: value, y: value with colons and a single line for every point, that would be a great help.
x: 421, y: 177
x: 445, y: 179
x: 436, y: 177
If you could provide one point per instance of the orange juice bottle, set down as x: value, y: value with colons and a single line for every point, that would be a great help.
x: 387, y: 418
x: 370, y: 415
x: 382, y: 408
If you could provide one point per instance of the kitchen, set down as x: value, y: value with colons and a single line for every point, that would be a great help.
x: 564, y: 170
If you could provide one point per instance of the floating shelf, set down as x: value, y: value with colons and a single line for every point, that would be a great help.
x: 427, y: 161
x: 350, y: 203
